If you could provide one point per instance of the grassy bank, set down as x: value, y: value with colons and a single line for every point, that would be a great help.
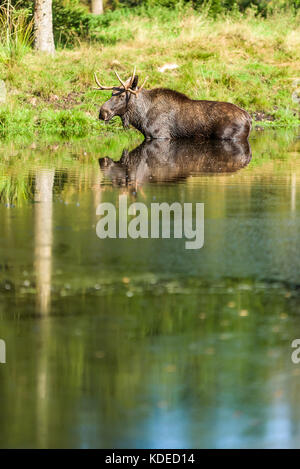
x: 244, y: 59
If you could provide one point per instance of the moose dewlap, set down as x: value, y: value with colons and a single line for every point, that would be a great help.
x: 164, y: 113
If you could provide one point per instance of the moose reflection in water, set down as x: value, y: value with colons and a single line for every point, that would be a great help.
x: 172, y: 160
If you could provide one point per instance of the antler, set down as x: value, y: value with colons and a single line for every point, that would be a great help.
x: 100, y: 87
x: 132, y: 78
x: 120, y: 80
x: 126, y: 85
x: 136, y: 92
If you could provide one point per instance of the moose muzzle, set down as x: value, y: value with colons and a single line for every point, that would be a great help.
x: 105, y: 114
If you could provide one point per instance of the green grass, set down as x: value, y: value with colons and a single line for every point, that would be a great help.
x: 244, y: 59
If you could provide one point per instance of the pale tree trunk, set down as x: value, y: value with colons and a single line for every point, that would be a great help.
x: 44, y: 182
x: 43, y: 26
x: 97, y: 7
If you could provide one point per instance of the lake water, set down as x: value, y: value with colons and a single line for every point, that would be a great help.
x: 141, y: 343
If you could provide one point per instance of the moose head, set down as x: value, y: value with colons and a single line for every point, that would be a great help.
x: 119, y: 102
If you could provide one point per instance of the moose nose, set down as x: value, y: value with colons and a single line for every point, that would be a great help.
x: 103, y: 114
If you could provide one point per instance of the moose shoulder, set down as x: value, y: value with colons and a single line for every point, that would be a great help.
x: 163, y: 113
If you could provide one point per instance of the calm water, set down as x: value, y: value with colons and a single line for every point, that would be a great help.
x: 142, y: 343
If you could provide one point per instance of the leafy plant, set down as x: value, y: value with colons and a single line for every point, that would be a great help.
x: 16, y: 33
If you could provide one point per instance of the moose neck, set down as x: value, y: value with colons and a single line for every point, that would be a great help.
x: 137, y: 109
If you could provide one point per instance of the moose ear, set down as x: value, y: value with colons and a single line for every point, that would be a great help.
x: 135, y: 82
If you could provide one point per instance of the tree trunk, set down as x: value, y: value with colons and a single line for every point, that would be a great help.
x: 44, y: 181
x: 97, y: 7
x: 43, y: 26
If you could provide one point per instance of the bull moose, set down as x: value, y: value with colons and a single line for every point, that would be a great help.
x: 166, y: 114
